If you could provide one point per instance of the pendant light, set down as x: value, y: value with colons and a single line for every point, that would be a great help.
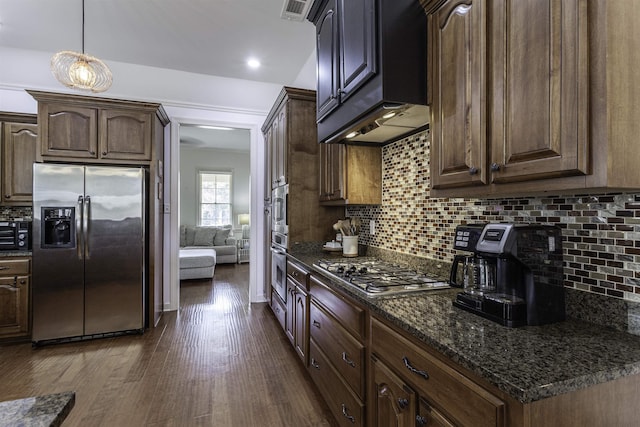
x: 80, y: 71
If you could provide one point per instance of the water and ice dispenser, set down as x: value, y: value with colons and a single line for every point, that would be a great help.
x: 58, y: 227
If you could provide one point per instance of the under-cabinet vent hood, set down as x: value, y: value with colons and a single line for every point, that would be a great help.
x: 295, y: 10
x: 385, y: 125
x: 372, y: 70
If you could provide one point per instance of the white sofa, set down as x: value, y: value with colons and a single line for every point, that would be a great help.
x: 201, y: 248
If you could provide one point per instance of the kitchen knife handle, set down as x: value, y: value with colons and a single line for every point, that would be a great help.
x: 85, y: 226
x: 79, y: 230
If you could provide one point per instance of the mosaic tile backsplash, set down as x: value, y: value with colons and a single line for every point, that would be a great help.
x: 601, y: 232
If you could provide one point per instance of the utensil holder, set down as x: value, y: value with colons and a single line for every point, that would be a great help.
x: 350, y: 246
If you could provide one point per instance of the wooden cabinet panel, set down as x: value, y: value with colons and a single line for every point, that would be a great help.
x: 125, y: 135
x: 289, y: 324
x: 327, y: 60
x: 68, y: 131
x: 510, y: 89
x: 345, y: 406
x: 350, y: 174
x: 301, y: 325
x: 344, y: 352
x: 278, y: 308
x: 19, y: 142
x: 14, y: 298
x: 357, y: 23
x: 457, y: 396
x: 540, y: 101
x: 458, y: 73
x: 14, y: 306
x: 348, y: 315
x: 395, y: 401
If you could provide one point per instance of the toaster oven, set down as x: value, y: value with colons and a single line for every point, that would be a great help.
x: 15, y: 235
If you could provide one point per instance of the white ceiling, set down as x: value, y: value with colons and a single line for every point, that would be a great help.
x: 212, y: 37
x: 230, y: 140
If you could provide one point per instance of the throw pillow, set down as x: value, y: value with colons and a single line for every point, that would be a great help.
x: 204, y: 236
x: 183, y: 236
x: 189, y: 235
x: 221, y: 237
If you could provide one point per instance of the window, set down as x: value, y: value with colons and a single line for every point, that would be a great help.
x: 215, y: 198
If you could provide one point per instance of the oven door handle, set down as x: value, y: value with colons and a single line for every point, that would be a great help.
x: 277, y: 251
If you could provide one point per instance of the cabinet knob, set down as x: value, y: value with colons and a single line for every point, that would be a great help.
x: 316, y: 324
x: 104, y: 153
x: 314, y: 363
x: 7, y: 196
x: 421, y: 421
x: 403, y: 403
x: 92, y: 153
x: 473, y: 170
x: 495, y: 167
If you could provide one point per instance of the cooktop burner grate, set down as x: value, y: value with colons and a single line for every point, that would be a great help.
x: 377, y: 278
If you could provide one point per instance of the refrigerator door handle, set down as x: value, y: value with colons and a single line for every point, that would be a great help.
x: 79, y: 233
x: 86, y: 219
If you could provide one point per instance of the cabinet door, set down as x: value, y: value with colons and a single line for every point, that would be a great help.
x: 394, y: 401
x: 540, y: 88
x: 19, y: 144
x: 332, y: 172
x: 327, y: 61
x: 125, y: 135
x: 428, y: 416
x: 281, y: 140
x: 291, y: 306
x: 68, y: 131
x: 357, y: 44
x: 457, y: 42
x: 14, y: 306
x: 268, y: 148
x: 301, y: 324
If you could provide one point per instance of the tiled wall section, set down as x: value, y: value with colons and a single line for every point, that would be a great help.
x: 601, y: 231
x: 13, y: 213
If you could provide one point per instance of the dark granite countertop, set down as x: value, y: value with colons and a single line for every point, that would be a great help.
x: 50, y: 410
x: 8, y: 254
x: 529, y: 363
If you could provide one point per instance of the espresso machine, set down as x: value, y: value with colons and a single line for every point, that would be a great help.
x: 513, y: 274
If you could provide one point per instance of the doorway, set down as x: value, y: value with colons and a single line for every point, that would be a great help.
x: 187, y: 137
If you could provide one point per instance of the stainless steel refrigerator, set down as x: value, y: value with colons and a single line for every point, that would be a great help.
x: 88, y: 251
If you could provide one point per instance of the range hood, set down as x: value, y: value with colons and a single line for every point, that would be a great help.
x: 390, y: 100
x: 384, y: 125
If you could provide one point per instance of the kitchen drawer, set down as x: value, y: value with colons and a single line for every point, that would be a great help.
x: 298, y: 274
x: 13, y: 267
x: 344, y: 352
x: 345, y: 406
x: 278, y: 309
x: 350, y: 316
x: 456, y: 395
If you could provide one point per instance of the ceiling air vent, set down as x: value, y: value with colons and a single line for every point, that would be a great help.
x: 295, y: 10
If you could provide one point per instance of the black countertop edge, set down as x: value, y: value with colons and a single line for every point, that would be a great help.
x: 528, y: 363
x: 49, y: 410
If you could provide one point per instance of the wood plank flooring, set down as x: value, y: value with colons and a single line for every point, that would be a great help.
x: 218, y: 361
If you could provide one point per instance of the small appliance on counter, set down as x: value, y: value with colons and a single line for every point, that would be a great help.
x: 15, y: 235
x: 513, y: 274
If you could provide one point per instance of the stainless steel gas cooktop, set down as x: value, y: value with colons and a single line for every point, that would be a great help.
x: 378, y: 278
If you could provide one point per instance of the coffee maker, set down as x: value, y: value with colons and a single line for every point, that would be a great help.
x: 513, y: 274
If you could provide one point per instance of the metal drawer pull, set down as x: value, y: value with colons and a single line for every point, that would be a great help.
x: 347, y: 360
x: 316, y: 324
x: 423, y: 374
x: 4, y: 268
x: 314, y: 363
x: 346, y: 414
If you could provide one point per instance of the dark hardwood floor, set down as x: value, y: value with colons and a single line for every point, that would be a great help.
x: 218, y: 361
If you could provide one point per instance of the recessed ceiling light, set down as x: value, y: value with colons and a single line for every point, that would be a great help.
x: 253, y: 63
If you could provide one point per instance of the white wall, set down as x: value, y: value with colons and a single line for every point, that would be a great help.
x: 188, y: 98
x: 193, y: 160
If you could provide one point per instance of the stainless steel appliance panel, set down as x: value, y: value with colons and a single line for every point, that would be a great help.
x: 279, y: 271
x: 58, y: 273
x: 279, y: 218
x: 113, y: 249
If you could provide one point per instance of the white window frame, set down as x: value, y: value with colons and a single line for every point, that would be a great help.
x: 199, y: 189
